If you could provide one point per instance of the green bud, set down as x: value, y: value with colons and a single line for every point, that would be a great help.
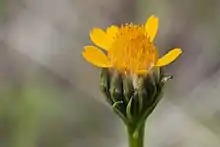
x: 133, y: 98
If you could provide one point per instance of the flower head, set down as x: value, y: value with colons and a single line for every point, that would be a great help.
x: 129, y: 49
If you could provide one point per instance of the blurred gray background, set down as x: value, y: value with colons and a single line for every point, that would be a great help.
x: 49, y: 95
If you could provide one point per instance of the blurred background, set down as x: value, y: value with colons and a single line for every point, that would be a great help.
x: 49, y: 95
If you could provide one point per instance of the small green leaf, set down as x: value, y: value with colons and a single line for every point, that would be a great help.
x: 116, y: 88
x: 128, y: 110
x: 128, y: 89
x: 145, y: 115
x: 141, y: 94
x: 116, y: 108
x: 104, y: 85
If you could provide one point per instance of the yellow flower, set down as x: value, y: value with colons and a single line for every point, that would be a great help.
x: 129, y: 49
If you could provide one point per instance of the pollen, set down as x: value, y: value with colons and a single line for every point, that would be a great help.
x: 131, y: 49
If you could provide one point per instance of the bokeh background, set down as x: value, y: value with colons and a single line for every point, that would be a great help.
x: 49, y: 96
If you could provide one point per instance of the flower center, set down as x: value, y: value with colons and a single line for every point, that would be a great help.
x: 131, y: 49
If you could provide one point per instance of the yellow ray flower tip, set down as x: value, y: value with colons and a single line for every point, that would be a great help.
x: 169, y: 57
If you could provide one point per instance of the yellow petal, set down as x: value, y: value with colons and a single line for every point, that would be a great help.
x: 112, y: 31
x: 151, y: 27
x: 95, y: 56
x: 142, y: 72
x: 100, y: 38
x: 169, y: 57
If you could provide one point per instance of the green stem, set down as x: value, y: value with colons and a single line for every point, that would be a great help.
x: 136, y: 137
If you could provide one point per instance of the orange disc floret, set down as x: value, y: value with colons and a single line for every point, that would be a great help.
x: 131, y: 49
